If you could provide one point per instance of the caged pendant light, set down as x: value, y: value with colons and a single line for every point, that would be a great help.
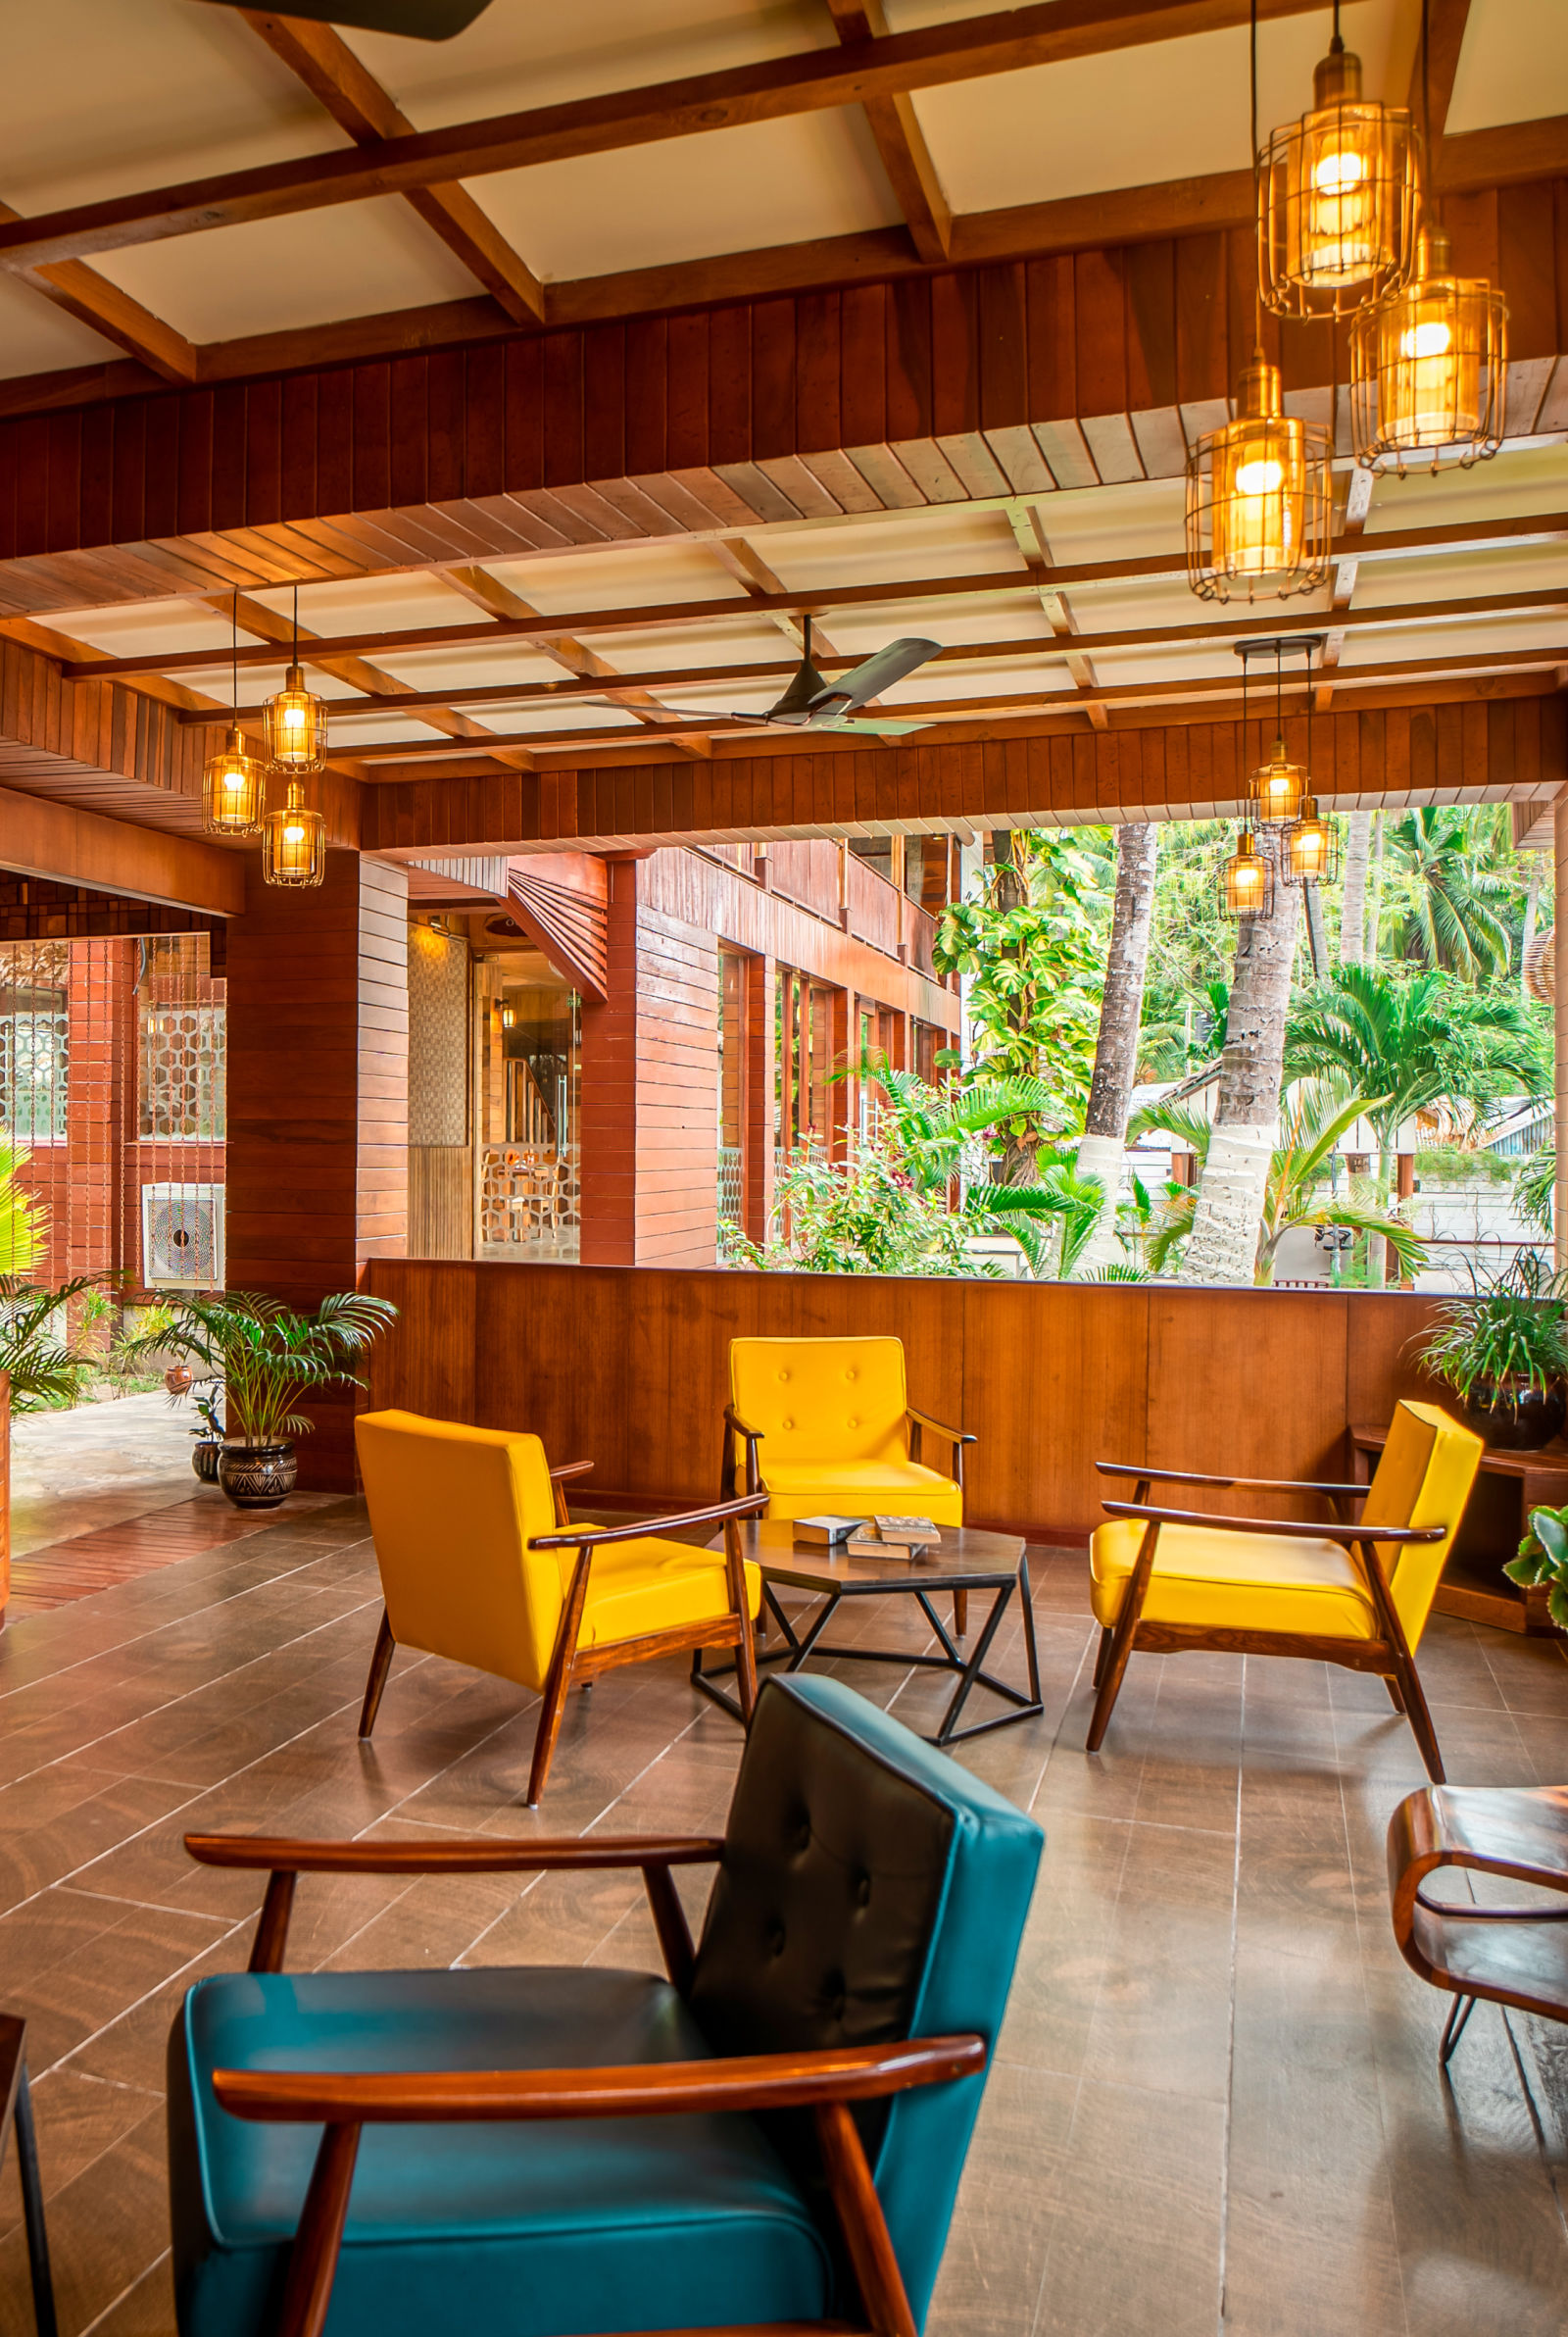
x: 1247, y: 878
x: 294, y: 842
x: 1429, y: 360
x: 233, y: 782
x: 295, y: 719
x: 1339, y: 197
x: 1258, y: 494
x: 1310, y: 852
x: 1278, y: 787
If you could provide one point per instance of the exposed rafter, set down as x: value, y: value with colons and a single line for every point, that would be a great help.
x: 357, y: 104
x: 93, y: 300
x: 1448, y: 21
x: 1533, y: 527
x: 1051, y: 31
x: 899, y: 140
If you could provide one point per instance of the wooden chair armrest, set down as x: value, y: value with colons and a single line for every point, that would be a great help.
x: 1508, y: 1831
x: 752, y: 2081
x: 923, y: 1419
x: 1192, y: 1477
x: 570, y: 1469
x: 281, y: 1854
x: 742, y: 1428
x: 1295, y: 1528
x: 749, y: 1505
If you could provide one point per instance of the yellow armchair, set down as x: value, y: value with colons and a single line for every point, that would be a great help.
x: 1355, y: 1594
x: 840, y: 1431
x: 480, y: 1563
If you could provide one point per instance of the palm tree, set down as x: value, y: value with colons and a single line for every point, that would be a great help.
x: 1449, y: 921
x: 1230, y: 1196
x: 1122, y: 1007
x: 1411, y: 1041
x: 1312, y: 1125
x: 1353, y: 901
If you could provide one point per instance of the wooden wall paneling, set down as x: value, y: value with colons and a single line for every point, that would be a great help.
x: 1249, y: 1380
x: 1151, y: 330
x: 1054, y: 1379
x: 431, y: 1362
x: 1379, y: 1361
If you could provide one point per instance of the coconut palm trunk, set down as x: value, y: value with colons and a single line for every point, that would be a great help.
x: 1353, y: 905
x: 1229, y: 1213
x: 1121, y: 1009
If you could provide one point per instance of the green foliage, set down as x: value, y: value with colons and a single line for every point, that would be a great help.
x: 863, y: 1216
x: 1450, y: 898
x: 1534, y: 1187
x: 1543, y: 1558
x: 1032, y: 948
x: 1050, y: 1221
x: 933, y: 1126
x: 24, y: 1219
x: 45, y: 1369
x: 269, y: 1356
x: 1507, y: 1335
x: 1413, y: 1040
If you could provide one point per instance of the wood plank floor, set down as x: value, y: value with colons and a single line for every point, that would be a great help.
x: 1215, y: 2104
x: 85, y: 1564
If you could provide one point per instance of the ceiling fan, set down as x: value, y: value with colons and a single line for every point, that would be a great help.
x: 418, y: 20
x: 813, y: 703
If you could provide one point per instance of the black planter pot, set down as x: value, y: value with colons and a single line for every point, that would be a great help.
x: 205, y: 1455
x: 1518, y: 1420
x: 256, y: 1476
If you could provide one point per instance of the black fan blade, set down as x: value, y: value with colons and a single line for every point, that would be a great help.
x: 417, y: 20
x: 864, y: 682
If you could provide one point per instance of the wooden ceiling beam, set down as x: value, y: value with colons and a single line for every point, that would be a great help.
x: 1090, y: 698
x: 899, y: 140
x: 1432, y: 77
x: 594, y: 678
x: 93, y: 300
x: 357, y: 102
x: 1479, y: 535
x: 1050, y: 31
x: 1509, y: 155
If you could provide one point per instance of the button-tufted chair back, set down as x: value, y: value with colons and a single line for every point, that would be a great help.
x: 822, y: 1399
x: 870, y: 1889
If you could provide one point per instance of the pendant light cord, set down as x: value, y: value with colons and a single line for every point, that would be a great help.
x: 1258, y: 190
x: 233, y: 644
x: 1426, y: 108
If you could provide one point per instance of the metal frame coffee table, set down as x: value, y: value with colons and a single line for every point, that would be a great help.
x: 967, y: 1559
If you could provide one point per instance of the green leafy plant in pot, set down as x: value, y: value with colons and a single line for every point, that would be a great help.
x: 1503, y: 1351
x: 269, y: 1357
x: 1542, y: 1561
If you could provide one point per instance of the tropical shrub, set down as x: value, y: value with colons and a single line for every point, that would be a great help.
x: 269, y: 1356
x: 1510, y: 1333
x: 1543, y: 1558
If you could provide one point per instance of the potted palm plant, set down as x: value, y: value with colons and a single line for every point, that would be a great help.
x: 1503, y: 1350
x: 269, y: 1357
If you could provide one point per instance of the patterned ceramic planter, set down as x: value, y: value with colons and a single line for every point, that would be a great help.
x: 256, y: 1476
x: 205, y: 1455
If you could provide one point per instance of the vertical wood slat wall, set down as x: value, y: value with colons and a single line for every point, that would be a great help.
x: 629, y: 1367
x: 318, y: 1109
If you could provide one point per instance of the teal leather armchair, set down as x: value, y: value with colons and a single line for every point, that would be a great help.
x: 586, y: 2151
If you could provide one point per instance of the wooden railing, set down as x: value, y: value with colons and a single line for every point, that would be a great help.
x: 1050, y: 1376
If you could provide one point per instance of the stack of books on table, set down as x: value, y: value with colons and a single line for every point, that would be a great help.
x: 895, y: 1538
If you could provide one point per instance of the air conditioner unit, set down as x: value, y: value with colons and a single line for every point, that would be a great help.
x: 182, y: 1236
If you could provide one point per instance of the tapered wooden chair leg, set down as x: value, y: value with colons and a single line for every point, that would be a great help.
x: 380, y: 1665
x: 1394, y: 1696
x: 1111, y: 1668
x: 1459, y: 2013
x: 1420, y: 1720
x: 557, y: 1682
x: 960, y: 1613
x: 1103, y: 1654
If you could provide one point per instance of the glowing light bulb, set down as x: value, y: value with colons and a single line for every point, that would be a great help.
x: 1337, y: 172
x: 1433, y: 339
x: 1265, y: 477
x: 294, y: 718
x: 293, y: 836
x: 234, y: 779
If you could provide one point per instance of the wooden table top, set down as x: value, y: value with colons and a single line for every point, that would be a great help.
x: 1550, y: 1460
x: 965, y: 1559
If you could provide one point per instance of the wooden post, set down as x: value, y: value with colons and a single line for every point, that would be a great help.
x: 762, y: 974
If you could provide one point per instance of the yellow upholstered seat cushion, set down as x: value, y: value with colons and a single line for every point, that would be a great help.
x: 637, y: 1587
x: 1226, y: 1581
x: 862, y: 1489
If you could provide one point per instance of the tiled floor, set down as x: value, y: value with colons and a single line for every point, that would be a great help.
x: 1215, y: 2104
x: 71, y: 1471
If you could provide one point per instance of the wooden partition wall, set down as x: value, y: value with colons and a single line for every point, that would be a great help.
x: 626, y: 1367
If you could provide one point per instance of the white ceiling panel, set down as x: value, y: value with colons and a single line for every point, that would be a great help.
x: 1138, y: 117
x: 1463, y: 575
x: 579, y: 714
x: 370, y: 604
x: 1514, y: 484
x: 790, y: 181
x: 895, y: 548
x: 36, y: 338
x: 1012, y: 678
x: 145, y: 627
x: 1513, y: 66
x: 468, y: 665
x: 1083, y: 523
x: 274, y: 275
x: 257, y: 683
x: 870, y: 625
x: 717, y: 641
x: 619, y: 578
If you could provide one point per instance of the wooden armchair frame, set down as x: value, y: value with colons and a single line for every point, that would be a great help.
x: 916, y: 1423
x: 1387, y: 1654
x: 824, y: 2082
x: 1509, y: 1955
x: 16, y: 2116
x: 568, y: 1660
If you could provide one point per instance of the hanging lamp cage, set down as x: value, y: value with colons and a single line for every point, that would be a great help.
x: 1278, y: 789
x: 233, y: 789
x: 294, y: 842
x: 1259, y: 499
x: 295, y: 727
x: 1311, y: 854
x: 1246, y: 881
x: 1338, y: 198
x: 1429, y: 369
